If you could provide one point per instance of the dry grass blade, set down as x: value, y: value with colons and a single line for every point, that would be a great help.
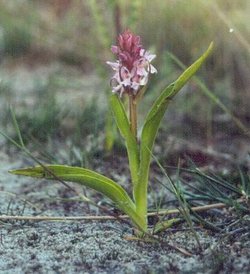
x: 108, y: 217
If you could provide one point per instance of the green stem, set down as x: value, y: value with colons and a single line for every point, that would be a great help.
x: 141, y: 202
x: 133, y: 115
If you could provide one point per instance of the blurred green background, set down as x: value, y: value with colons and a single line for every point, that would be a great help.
x: 53, y: 70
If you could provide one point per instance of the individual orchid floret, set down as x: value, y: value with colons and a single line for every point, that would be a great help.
x: 133, y: 66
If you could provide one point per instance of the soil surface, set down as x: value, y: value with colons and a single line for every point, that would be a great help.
x: 103, y: 246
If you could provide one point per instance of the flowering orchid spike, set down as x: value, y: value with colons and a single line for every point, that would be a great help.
x: 133, y: 66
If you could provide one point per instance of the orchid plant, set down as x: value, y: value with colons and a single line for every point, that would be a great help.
x: 131, y: 74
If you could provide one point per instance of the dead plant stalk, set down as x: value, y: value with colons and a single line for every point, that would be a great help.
x: 106, y: 217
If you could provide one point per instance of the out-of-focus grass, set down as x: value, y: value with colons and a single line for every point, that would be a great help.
x: 45, y: 118
x: 79, y: 33
x: 17, y: 22
x: 183, y: 28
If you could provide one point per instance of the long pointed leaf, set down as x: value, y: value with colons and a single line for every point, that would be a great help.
x: 151, y: 126
x: 216, y: 100
x: 87, y: 178
x: 131, y: 143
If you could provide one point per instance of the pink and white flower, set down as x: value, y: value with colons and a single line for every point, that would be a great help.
x: 133, y: 66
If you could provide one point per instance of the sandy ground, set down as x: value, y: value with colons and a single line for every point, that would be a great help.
x: 100, y: 247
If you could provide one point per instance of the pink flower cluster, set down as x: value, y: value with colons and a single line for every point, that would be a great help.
x: 133, y: 66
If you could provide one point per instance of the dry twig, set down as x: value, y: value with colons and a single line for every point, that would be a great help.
x: 105, y: 217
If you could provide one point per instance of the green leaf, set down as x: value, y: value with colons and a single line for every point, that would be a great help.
x: 90, y: 179
x: 151, y: 126
x: 164, y: 225
x: 131, y: 143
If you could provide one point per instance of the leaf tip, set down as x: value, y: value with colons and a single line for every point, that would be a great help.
x: 32, y: 172
x: 18, y: 171
x: 12, y: 171
x: 211, y: 46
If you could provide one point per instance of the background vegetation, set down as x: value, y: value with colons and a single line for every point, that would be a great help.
x: 53, y: 67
